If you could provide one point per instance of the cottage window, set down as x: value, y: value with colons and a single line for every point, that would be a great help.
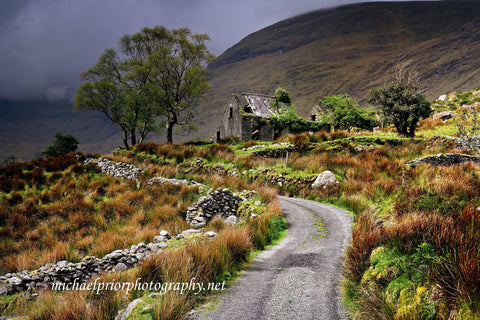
x: 231, y: 113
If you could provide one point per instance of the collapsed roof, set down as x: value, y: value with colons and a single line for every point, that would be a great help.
x: 259, y: 105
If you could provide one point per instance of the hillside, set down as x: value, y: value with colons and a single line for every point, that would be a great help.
x: 350, y: 49
x: 413, y: 254
x: 27, y: 127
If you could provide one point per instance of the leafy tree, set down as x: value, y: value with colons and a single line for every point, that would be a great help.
x: 282, y: 96
x: 343, y: 112
x: 401, y: 102
x: 63, y: 143
x: 157, y: 74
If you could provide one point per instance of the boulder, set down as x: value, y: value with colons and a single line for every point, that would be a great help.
x: 189, y: 232
x: 444, y: 116
x: 231, y: 220
x: 121, y: 267
x: 443, y: 97
x: 210, y: 234
x: 324, y: 180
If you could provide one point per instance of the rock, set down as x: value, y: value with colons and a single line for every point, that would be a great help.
x: 221, y: 203
x: 3, y: 291
x: 122, y: 315
x: 42, y: 286
x: 257, y: 203
x: 325, y: 180
x: 121, y: 267
x: 231, y: 220
x: 164, y: 233
x: 210, y: 234
x: 189, y: 232
x: 159, y: 239
x: 444, y: 116
x: 162, y: 245
x: 153, y: 247
x: 15, y: 281
x: 443, y: 97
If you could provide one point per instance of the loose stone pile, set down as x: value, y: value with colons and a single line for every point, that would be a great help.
x: 116, y: 169
x: 223, y: 203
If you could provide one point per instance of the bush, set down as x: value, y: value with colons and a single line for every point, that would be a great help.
x: 63, y: 143
x: 344, y: 114
x: 290, y: 119
x: 401, y: 103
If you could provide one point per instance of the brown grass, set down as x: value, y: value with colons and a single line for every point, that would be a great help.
x: 80, y: 213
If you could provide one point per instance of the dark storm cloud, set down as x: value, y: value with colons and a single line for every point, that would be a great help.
x: 45, y: 44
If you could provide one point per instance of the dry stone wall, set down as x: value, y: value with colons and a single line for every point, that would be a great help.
x: 447, y: 159
x: 67, y: 272
x: 116, y: 169
x: 64, y: 272
x: 223, y: 203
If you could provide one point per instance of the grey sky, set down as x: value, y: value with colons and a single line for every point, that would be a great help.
x: 45, y: 44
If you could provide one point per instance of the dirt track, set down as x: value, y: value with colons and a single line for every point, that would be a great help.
x: 298, y: 278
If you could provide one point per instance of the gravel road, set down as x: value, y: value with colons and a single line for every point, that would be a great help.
x: 299, y: 277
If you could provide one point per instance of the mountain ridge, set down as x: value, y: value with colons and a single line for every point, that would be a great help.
x: 348, y: 49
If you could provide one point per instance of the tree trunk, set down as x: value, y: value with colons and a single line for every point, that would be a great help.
x: 169, y: 133
x: 170, y: 123
x: 125, y: 139
x: 133, y: 137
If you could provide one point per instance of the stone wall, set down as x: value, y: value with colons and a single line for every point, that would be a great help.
x: 472, y: 143
x: 67, y: 272
x: 116, y: 169
x: 447, y: 159
x: 222, y: 203
x: 270, y: 176
x: 90, y: 267
x: 282, y: 179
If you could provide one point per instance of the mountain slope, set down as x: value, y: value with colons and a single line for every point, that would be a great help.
x: 27, y: 127
x: 351, y: 49
x: 348, y: 49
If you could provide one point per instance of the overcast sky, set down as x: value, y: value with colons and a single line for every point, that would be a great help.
x: 45, y: 44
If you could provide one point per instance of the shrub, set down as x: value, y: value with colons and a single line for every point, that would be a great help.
x: 63, y: 143
x: 401, y: 103
x: 343, y: 112
x: 290, y: 119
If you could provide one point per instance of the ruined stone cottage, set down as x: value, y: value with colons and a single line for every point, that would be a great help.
x: 247, y: 117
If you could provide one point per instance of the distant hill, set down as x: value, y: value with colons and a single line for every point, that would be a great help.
x: 351, y: 49
x: 348, y: 49
x: 27, y: 127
